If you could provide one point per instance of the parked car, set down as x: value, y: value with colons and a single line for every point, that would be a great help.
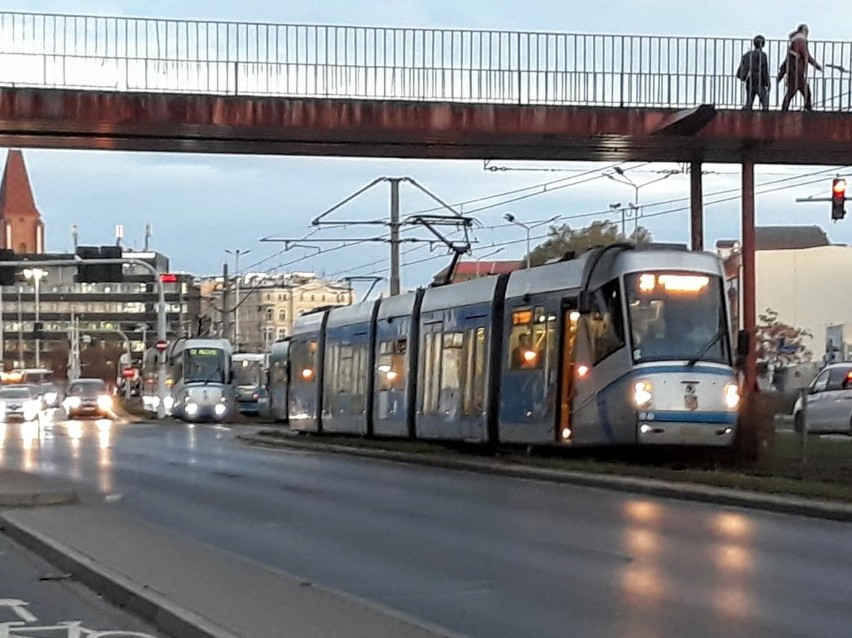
x: 19, y: 402
x: 828, y: 407
x: 88, y: 397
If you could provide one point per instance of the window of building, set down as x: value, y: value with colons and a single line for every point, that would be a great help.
x: 268, y: 314
x: 282, y: 333
x: 282, y: 314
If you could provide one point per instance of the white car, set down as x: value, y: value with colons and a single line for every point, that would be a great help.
x: 829, y: 402
x: 19, y: 403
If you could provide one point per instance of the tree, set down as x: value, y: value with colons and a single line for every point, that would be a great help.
x: 563, y: 239
x: 779, y: 344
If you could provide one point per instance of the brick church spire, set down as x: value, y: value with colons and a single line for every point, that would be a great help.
x: 21, y: 226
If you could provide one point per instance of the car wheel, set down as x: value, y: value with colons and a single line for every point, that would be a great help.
x: 799, y: 423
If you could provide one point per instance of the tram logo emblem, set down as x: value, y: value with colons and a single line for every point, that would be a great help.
x: 690, y: 400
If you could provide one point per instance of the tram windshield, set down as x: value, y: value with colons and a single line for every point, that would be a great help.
x: 204, y: 365
x: 675, y: 316
x: 248, y: 373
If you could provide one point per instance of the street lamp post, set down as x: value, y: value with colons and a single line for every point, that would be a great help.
x: 36, y: 274
x: 634, y: 207
x: 509, y: 217
x: 237, y: 253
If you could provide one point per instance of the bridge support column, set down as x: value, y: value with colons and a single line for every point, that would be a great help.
x: 748, y: 283
x: 697, y: 205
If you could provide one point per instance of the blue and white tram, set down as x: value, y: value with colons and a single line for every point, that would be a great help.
x: 278, y: 380
x: 249, y: 370
x: 622, y: 346
x: 198, y: 376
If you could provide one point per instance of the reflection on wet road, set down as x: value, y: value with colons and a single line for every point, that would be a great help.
x: 482, y: 555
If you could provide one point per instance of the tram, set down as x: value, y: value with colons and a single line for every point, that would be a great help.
x: 622, y: 345
x: 198, y: 380
x: 249, y: 381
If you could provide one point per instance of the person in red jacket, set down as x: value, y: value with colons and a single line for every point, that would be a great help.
x: 795, y: 67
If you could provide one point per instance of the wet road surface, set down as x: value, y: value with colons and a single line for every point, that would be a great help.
x: 487, y: 556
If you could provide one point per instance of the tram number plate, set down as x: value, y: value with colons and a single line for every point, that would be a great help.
x: 690, y: 432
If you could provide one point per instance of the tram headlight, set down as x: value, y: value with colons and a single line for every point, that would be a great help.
x: 643, y: 394
x: 220, y: 409
x: 191, y: 409
x: 732, y: 396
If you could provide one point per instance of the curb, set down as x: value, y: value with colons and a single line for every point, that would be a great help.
x: 39, y: 499
x: 653, y: 487
x: 119, y: 590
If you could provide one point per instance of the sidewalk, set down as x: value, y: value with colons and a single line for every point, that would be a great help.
x: 795, y: 505
x: 20, y: 489
x: 192, y: 590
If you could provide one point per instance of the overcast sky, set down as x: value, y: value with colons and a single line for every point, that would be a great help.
x: 200, y: 206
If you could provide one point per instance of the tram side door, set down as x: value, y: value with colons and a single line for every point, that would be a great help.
x: 568, y: 372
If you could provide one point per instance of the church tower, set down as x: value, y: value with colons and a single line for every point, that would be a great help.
x: 21, y: 227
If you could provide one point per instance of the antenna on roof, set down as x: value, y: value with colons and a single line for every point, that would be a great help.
x: 148, y: 233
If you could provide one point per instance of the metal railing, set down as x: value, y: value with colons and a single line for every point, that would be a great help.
x: 354, y: 62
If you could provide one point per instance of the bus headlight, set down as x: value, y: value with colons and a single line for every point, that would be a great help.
x: 191, y: 409
x: 220, y: 409
x: 643, y: 394
x: 732, y: 396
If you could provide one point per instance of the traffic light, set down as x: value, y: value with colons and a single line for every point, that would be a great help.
x: 8, y: 274
x: 838, y: 198
x: 99, y: 273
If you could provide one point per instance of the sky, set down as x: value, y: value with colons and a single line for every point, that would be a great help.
x: 202, y: 205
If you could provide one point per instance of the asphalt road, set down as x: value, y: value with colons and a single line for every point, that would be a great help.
x: 487, y: 556
x: 35, y: 596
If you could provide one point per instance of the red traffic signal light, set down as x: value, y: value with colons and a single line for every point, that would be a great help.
x: 838, y: 198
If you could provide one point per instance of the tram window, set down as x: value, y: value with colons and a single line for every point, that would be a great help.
x: 391, y: 364
x: 451, y: 372
x: 474, y: 358
x: 431, y: 369
x: 533, y: 340
x: 606, y: 324
x: 279, y: 372
x: 303, y: 354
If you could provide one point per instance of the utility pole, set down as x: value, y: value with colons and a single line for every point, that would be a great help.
x: 226, y: 302
x: 236, y: 253
x: 394, y: 236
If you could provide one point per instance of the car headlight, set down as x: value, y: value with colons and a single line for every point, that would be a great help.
x: 220, y: 409
x: 643, y: 394
x: 105, y: 402
x: 72, y: 402
x: 168, y: 403
x: 50, y: 397
x: 732, y: 396
x: 191, y: 409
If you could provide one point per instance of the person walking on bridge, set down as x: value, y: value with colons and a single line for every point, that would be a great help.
x: 795, y: 67
x: 754, y: 71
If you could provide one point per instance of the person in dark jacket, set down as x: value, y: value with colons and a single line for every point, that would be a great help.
x: 756, y: 68
x: 795, y: 67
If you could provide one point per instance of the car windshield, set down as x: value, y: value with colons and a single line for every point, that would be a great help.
x: 675, y: 316
x: 248, y: 373
x: 204, y: 365
x: 16, y: 393
x: 87, y: 388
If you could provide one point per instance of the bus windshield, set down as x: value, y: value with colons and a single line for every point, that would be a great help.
x: 676, y: 316
x: 248, y: 373
x: 204, y: 365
